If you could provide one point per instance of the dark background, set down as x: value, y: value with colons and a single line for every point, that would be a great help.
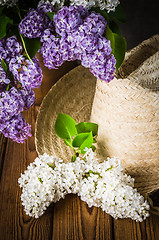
x: 142, y: 20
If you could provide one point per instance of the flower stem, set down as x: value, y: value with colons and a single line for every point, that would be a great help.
x: 23, y: 42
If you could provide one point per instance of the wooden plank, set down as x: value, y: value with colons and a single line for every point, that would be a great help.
x: 74, y: 220
x: 3, y: 144
x: 14, y: 224
x: 128, y: 229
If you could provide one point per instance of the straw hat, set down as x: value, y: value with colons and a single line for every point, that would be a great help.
x: 126, y: 109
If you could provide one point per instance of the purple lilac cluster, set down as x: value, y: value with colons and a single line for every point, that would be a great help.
x: 80, y: 38
x: 36, y: 21
x: 78, y: 35
x: 16, y: 84
x: 68, y: 19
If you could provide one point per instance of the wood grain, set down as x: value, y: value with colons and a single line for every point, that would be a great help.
x: 68, y: 219
x: 3, y: 144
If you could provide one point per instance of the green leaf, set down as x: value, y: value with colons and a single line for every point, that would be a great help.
x: 65, y: 126
x: 117, y: 15
x: 68, y: 142
x: 12, y: 30
x: 118, y: 45
x: 83, y: 140
x: 51, y: 14
x: 32, y: 46
x: 84, y: 127
x: 4, y: 65
x: 4, y: 20
x: 8, y: 87
x: 114, y: 27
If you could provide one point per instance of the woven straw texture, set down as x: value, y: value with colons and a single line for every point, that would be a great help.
x: 73, y: 95
x: 127, y: 111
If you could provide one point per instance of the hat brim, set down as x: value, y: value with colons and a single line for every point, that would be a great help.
x: 73, y: 94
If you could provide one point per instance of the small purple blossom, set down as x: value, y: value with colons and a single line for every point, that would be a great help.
x: 28, y: 97
x: 88, y: 44
x: 80, y: 38
x: 3, y: 77
x: 9, y: 48
x: 67, y: 19
x: 104, y: 71
x: 16, y: 129
x: 36, y: 21
x: 51, y: 50
x: 95, y: 23
x: 11, y: 103
x: 30, y: 74
x: 68, y: 48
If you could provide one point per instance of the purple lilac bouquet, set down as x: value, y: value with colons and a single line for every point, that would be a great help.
x: 73, y: 33
x: 18, y: 76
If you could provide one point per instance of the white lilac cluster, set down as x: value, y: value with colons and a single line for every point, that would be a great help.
x: 8, y: 3
x: 109, y: 5
x: 103, y: 185
x: 57, y: 4
x: 47, y: 180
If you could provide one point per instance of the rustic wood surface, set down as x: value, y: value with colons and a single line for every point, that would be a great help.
x: 68, y: 219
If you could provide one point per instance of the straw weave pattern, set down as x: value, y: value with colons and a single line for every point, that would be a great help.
x: 127, y: 111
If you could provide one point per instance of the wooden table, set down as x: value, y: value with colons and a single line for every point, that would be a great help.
x: 68, y: 219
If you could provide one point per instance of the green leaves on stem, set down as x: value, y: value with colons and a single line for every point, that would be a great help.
x: 4, y: 65
x: 4, y: 21
x: 82, y: 141
x: 118, y: 45
x: 77, y: 136
x: 113, y: 33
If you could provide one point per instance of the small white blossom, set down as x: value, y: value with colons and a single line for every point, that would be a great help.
x: 8, y: 3
x: 109, y: 5
x: 56, y: 3
x: 104, y: 185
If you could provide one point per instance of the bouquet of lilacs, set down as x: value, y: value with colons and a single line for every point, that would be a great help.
x: 104, y: 185
x: 61, y: 33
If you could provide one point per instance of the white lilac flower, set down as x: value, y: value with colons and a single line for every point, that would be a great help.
x: 8, y: 3
x: 102, y: 185
x: 56, y: 3
x: 109, y: 5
